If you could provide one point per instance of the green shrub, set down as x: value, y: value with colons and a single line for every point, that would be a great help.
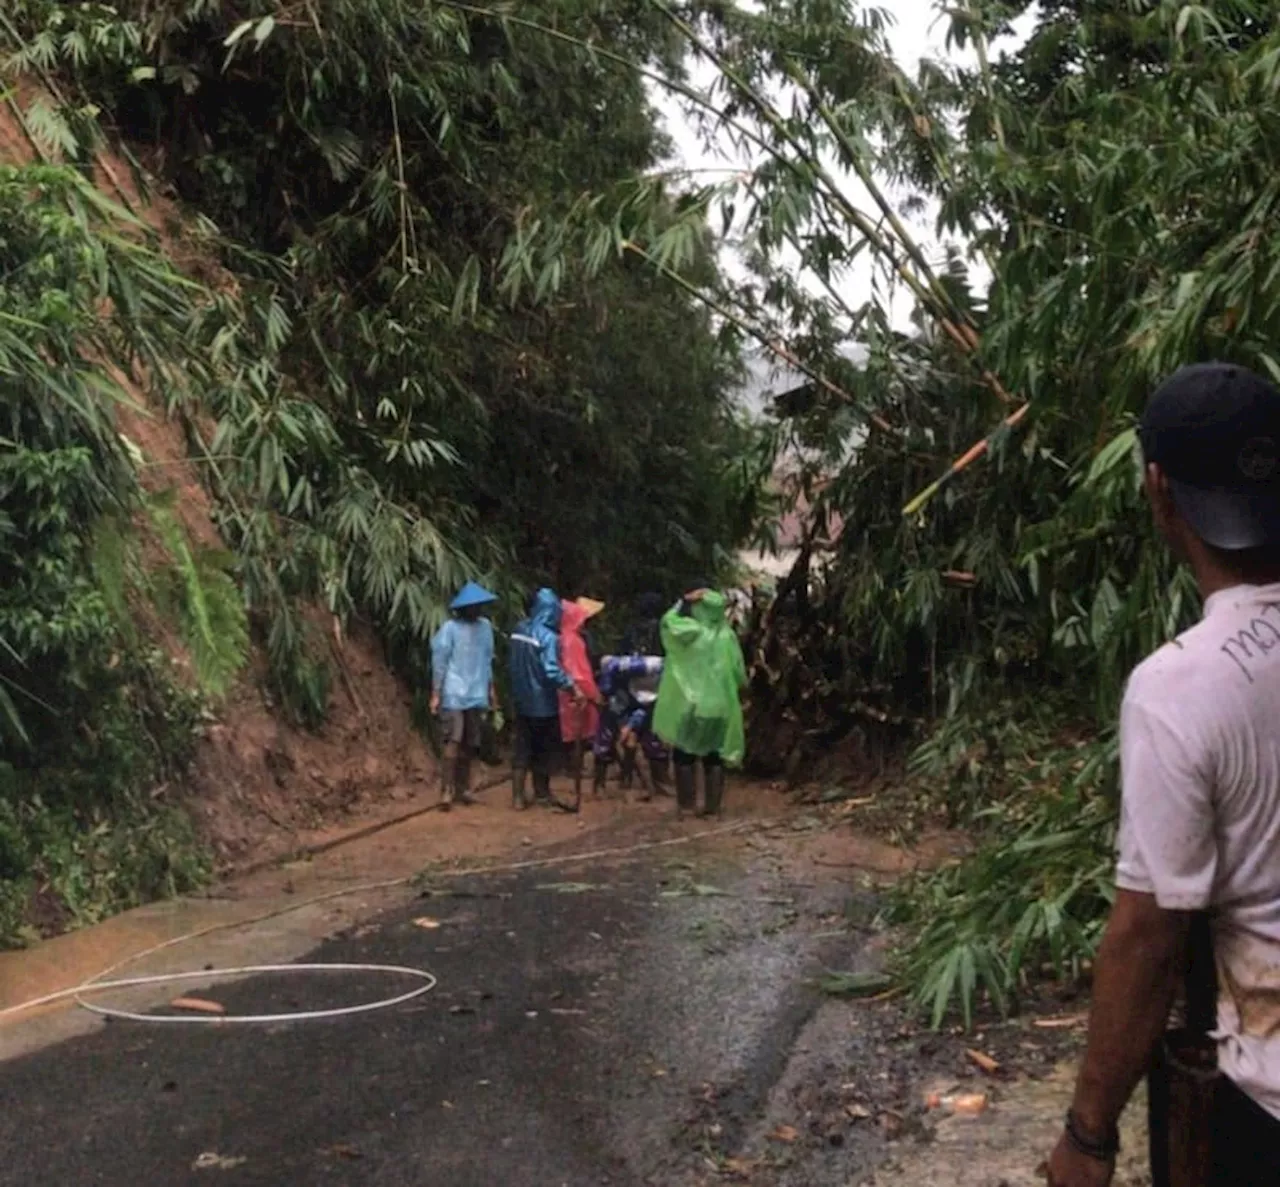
x: 96, y: 726
x: 1032, y: 896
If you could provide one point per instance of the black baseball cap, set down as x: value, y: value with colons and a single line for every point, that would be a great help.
x: 1214, y: 428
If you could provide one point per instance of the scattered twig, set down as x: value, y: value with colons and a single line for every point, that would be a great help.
x: 1063, y: 1022
x: 198, y: 1005
x: 984, y: 1061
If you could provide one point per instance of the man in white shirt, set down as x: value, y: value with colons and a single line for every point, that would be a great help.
x: 1200, y: 766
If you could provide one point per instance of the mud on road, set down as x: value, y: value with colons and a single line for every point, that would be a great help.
x: 655, y: 1021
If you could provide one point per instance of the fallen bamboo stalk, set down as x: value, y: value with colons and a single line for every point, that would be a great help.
x: 969, y: 456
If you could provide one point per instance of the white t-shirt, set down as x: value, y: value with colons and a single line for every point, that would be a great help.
x: 1200, y: 822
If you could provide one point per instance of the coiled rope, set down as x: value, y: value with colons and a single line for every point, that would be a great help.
x: 99, y: 983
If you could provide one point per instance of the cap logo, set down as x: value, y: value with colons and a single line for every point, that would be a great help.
x: 1259, y: 459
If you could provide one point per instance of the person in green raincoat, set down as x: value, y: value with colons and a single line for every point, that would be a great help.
x: 699, y: 710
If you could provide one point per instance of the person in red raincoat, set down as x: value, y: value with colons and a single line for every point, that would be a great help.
x: 578, y: 722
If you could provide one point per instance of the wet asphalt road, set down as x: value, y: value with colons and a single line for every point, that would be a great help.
x: 582, y: 1023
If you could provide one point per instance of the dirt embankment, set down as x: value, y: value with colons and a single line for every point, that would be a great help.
x: 258, y: 786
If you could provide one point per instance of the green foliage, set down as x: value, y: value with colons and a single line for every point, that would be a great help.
x: 391, y: 417
x: 853, y: 985
x: 60, y: 867
x: 1032, y: 895
x: 95, y: 719
x: 474, y: 331
x: 201, y: 594
x: 386, y: 418
x: 1115, y: 174
x: 1111, y: 169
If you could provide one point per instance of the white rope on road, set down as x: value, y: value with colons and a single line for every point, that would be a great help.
x: 428, y: 979
x: 97, y: 983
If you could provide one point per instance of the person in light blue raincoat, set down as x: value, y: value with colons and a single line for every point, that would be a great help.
x: 462, y: 689
x: 537, y: 679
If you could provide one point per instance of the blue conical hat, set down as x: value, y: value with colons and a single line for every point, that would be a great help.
x: 472, y: 594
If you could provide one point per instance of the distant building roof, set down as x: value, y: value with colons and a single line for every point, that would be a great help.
x: 768, y: 377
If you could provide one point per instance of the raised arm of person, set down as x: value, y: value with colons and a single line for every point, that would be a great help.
x: 680, y: 629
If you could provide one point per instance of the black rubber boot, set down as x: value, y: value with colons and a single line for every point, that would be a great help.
x: 462, y: 779
x: 658, y: 777
x: 446, y: 771
x: 627, y: 770
x: 686, y: 788
x: 542, y: 788
x: 646, y: 785
x: 599, y: 774
x: 518, y: 777
x: 715, y: 791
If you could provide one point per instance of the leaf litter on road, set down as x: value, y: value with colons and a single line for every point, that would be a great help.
x: 696, y: 890
x: 212, y: 1161
x: 963, y: 1104
x: 706, y: 890
x: 835, y: 983
x: 984, y: 1061
x: 341, y: 1150
x: 970, y: 1104
x: 1061, y: 1023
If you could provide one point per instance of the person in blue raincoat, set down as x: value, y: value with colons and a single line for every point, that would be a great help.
x: 462, y: 689
x: 537, y: 678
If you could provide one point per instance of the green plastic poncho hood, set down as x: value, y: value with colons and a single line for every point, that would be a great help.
x: 699, y: 708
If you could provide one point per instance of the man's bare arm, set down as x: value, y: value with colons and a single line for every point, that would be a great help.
x: 1139, y: 965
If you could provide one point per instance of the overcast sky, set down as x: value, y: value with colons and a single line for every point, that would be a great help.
x: 916, y: 31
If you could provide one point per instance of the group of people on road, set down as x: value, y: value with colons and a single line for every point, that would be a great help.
x: 671, y: 692
x: 1196, y: 910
